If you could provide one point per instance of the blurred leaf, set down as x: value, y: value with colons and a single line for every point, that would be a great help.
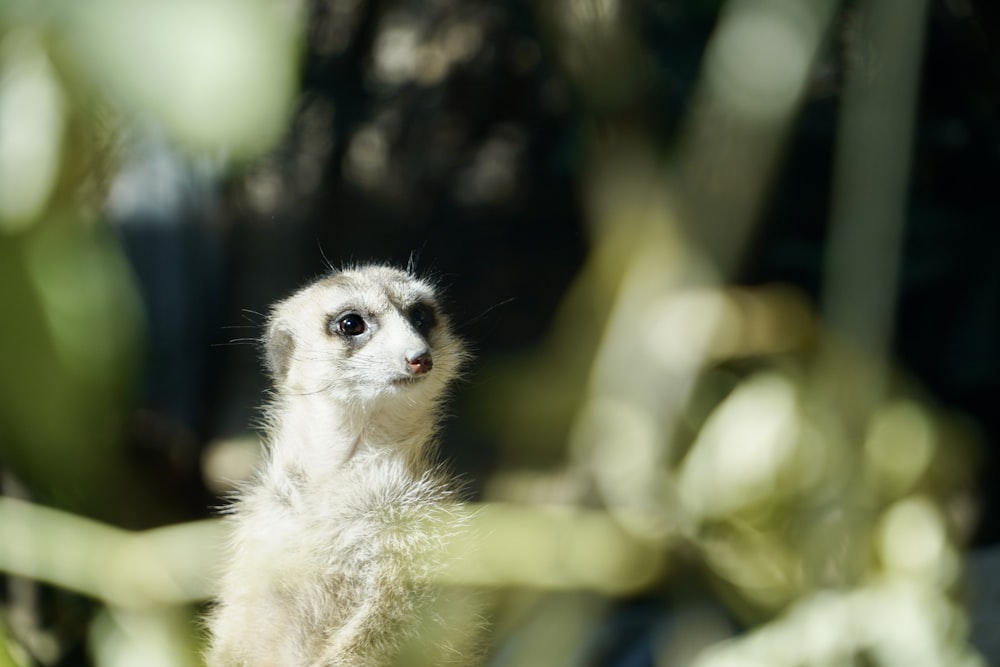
x: 7, y: 651
x: 218, y: 75
x: 163, y: 637
x: 67, y: 360
x: 31, y: 129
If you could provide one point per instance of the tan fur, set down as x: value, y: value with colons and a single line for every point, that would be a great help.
x: 333, y: 541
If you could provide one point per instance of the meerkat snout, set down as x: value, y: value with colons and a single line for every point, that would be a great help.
x: 420, y: 362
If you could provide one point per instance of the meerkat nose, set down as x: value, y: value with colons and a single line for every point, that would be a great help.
x: 420, y: 362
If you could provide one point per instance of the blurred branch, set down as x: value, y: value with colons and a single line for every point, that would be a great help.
x: 896, y: 621
x: 550, y: 548
x: 170, y: 565
x: 502, y: 545
x: 756, y: 70
x: 872, y: 176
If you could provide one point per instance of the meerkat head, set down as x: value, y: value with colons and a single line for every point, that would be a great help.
x: 361, y: 336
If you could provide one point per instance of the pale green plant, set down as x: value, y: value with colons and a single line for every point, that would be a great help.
x: 682, y: 419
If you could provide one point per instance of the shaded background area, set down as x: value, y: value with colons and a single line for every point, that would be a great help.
x: 466, y: 134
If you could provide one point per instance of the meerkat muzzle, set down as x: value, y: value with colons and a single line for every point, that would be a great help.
x: 420, y: 363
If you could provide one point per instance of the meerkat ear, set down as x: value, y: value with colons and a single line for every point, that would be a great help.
x: 278, y: 349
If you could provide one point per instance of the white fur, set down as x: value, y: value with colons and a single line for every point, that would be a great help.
x: 332, y: 543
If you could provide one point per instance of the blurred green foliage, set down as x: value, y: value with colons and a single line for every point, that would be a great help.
x: 76, y: 81
x: 67, y: 362
x: 670, y: 428
x: 217, y: 78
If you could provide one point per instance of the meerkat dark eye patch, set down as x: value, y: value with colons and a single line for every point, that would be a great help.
x: 350, y: 324
x: 422, y: 318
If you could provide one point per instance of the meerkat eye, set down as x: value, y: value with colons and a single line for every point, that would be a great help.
x: 422, y: 319
x: 352, y: 324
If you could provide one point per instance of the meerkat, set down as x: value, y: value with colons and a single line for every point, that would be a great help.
x: 331, y: 540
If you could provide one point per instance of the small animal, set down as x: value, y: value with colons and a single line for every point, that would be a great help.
x: 333, y: 541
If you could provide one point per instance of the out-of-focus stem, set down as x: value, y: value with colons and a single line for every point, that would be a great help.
x: 871, y: 179
x: 498, y: 545
x: 169, y: 565
x: 756, y: 70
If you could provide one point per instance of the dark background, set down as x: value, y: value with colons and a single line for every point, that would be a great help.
x: 506, y: 259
